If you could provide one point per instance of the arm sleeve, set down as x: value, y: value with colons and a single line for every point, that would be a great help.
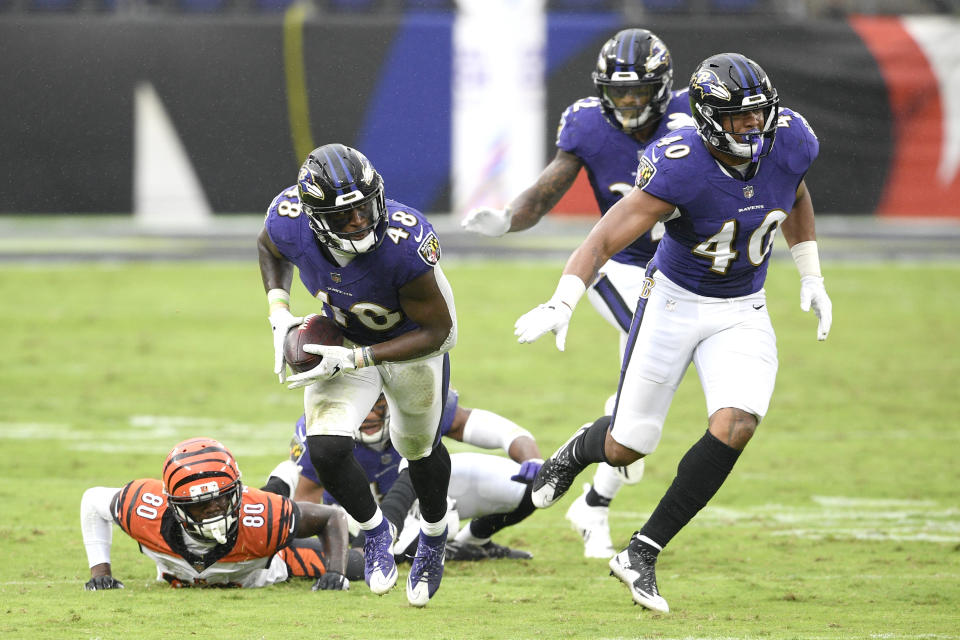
x: 488, y: 430
x: 96, y: 523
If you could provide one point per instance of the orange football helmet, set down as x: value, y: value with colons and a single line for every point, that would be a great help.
x: 201, y: 480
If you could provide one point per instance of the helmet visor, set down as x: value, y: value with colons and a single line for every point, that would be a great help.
x: 348, y: 223
x: 633, y: 105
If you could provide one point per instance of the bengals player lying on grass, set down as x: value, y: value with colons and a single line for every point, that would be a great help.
x: 203, y: 528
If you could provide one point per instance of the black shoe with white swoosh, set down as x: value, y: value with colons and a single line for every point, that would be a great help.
x: 635, y: 566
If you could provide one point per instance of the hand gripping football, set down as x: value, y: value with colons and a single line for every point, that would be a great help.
x: 316, y: 329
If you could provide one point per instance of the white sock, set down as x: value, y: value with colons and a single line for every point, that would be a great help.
x: 606, y: 481
x: 433, y: 528
x: 373, y: 522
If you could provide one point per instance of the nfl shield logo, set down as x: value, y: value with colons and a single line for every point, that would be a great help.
x: 748, y: 191
x: 336, y: 276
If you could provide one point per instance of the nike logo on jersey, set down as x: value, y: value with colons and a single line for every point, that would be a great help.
x: 419, y: 236
x: 758, y: 306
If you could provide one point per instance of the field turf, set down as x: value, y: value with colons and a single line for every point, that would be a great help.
x: 841, y: 520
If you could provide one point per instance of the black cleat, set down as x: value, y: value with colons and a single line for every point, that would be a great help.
x: 635, y: 566
x: 557, y: 474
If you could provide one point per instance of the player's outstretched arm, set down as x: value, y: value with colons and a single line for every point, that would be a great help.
x: 800, y: 233
x: 488, y: 430
x: 532, y: 204
x: 96, y: 524
x: 329, y: 522
x: 624, y: 222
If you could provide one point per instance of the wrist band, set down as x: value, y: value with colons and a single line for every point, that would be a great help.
x: 807, y: 258
x: 569, y: 290
x: 363, y: 357
x: 278, y: 298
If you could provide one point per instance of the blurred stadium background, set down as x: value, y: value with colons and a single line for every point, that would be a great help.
x: 188, y: 114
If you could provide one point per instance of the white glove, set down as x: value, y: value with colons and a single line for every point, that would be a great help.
x: 281, y: 321
x: 335, y: 361
x: 813, y: 294
x: 549, y: 316
x: 487, y: 221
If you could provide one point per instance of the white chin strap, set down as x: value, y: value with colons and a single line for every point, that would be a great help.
x: 634, y: 123
x: 351, y: 247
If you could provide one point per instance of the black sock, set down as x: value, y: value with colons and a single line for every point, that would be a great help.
x: 486, y: 526
x: 700, y: 474
x: 594, y: 499
x: 341, y: 475
x: 431, y: 476
x: 396, y: 504
x: 589, y: 447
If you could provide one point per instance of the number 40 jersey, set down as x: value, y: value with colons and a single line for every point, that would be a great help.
x: 719, y: 241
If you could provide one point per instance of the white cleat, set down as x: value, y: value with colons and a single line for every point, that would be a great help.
x: 379, y: 567
x: 593, y: 525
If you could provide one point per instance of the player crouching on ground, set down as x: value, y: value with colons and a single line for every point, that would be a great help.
x: 203, y: 528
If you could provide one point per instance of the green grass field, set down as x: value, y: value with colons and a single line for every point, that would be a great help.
x: 841, y: 520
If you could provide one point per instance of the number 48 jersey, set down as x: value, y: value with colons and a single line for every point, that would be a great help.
x: 362, y: 296
x: 719, y: 242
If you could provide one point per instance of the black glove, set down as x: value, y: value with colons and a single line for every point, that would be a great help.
x: 331, y: 581
x: 100, y: 583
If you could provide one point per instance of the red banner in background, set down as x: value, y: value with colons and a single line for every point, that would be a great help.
x: 922, y: 179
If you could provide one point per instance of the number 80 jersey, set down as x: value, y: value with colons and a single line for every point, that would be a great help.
x: 719, y: 242
x: 363, y: 296
x: 266, y: 525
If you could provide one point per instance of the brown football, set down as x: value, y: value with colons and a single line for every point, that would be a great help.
x: 316, y: 329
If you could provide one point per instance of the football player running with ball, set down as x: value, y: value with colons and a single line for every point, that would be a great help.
x: 724, y: 188
x: 373, y: 265
x: 605, y: 134
x: 203, y: 528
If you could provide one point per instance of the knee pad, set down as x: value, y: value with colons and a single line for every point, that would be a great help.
x: 328, y: 452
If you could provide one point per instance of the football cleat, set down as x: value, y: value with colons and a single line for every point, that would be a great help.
x: 494, y: 550
x: 557, y: 473
x: 427, y: 569
x: 379, y: 567
x: 635, y: 567
x: 593, y: 525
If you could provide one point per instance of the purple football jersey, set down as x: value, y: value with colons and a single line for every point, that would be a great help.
x: 380, y: 467
x: 719, y: 245
x: 363, y: 296
x: 610, y: 157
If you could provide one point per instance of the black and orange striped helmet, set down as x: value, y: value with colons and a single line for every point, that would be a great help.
x: 197, y: 472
